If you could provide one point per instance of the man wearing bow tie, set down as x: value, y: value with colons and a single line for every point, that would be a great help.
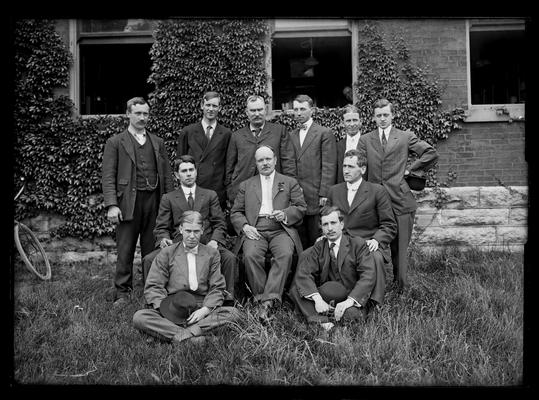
x: 207, y: 141
x: 335, y: 278
x: 190, y: 196
x: 387, y: 149
x: 316, y: 161
x: 352, y: 124
x: 264, y: 214
x: 136, y: 173
x: 240, y: 160
x: 186, y: 266
x: 368, y: 214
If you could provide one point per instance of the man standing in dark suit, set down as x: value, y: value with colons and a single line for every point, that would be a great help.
x: 240, y: 160
x: 207, y: 141
x: 337, y: 269
x: 367, y: 213
x: 316, y: 161
x: 266, y: 208
x: 136, y: 173
x: 190, y: 196
x: 387, y: 149
x: 352, y: 124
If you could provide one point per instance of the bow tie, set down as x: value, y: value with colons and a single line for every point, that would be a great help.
x: 303, y: 127
x: 194, y: 250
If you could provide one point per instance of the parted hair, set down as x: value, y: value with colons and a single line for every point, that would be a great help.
x: 382, y: 103
x: 361, y: 159
x: 134, y: 101
x: 185, y: 158
x: 301, y: 98
x: 326, y: 210
x: 191, y: 217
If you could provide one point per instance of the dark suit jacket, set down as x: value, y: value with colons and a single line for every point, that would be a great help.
x: 170, y: 273
x: 370, y: 216
x: 209, y: 156
x: 355, y: 263
x: 240, y: 157
x: 387, y: 168
x: 173, y: 205
x: 287, y: 196
x: 316, y: 163
x: 119, y: 172
x: 341, y: 149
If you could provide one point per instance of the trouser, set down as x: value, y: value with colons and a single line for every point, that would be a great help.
x: 309, y: 230
x: 306, y: 307
x: 228, y: 268
x: 281, y: 246
x: 152, y: 322
x: 127, y: 234
x: 399, y: 248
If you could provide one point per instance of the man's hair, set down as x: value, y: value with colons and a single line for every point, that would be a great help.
x: 350, y: 108
x: 267, y: 146
x: 326, y: 210
x: 253, y: 98
x: 382, y: 103
x: 191, y: 217
x: 361, y: 159
x: 211, y: 95
x: 185, y: 158
x: 135, y: 101
x: 302, y: 98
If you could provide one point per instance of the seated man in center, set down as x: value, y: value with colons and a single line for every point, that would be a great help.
x: 190, y: 196
x: 337, y: 269
x: 264, y: 212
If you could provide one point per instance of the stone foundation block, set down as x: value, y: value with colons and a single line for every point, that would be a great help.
x: 478, y: 216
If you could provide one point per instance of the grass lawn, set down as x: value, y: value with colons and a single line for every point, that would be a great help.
x: 460, y: 324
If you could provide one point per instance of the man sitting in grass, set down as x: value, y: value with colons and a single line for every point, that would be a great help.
x: 184, y: 290
x: 336, y: 269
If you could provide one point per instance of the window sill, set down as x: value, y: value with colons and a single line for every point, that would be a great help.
x: 496, y: 113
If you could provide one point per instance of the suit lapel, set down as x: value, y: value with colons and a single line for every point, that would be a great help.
x: 275, y: 187
x: 309, y: 138
x: 375, y: 141
x: 343, y: 251
x: 294, y: 138
x: 215, y: 138
x: 360, y: 197
x: 247, y: 135
x: 155, y: 147
x: 326, y: 260
x: 127, y: 143
x: 180, y: 198
x: 342, y: 196
x: 392, y: 140
x: 200, y: 138
x: 200, y: 198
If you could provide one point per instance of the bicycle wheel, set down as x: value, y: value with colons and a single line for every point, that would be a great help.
x: 31, y: 251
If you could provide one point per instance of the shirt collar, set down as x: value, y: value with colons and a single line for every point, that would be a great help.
x: 337, y: 242
x: 308, y: 123
x: 205, y: 125
x: 386, y: 130
x: 187, y: 190
x: 252, y: 128
x: 194, y: 250
x: 132, y: 132
x: 271, y: 176
x: 355, y: 185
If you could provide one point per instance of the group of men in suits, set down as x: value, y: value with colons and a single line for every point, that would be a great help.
x: 286, y: 193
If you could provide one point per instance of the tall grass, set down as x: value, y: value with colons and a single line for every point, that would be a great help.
x: 460, y: 324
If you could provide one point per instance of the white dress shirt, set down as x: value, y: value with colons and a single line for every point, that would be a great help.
x: 192, y: 267
x: 384, y: 132
x: 352, y: 190
x: 266, y: 208
x: 187, y: 190
x: 303, y: 132
x: 351, y: 142
x: 140, y: 137
x: 205, y: 127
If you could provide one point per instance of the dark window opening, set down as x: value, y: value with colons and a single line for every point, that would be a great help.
x: 497, y: 66
x: 111, y: 74
x: 322, y: 76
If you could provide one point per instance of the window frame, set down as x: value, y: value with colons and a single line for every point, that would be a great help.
x: 490, y: 112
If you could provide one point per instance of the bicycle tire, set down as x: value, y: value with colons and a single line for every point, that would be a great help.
x: 31, y: 251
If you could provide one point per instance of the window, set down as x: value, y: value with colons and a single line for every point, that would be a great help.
x: 497, y: 84
x: 312, y: 57
x: 113, y: 64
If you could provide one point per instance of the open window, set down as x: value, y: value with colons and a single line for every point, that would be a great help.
x: 113, y: 64
x: 497, y: 81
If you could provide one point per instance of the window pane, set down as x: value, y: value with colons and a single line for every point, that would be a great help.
x: 322, y: 76
x: 116, y: 25
x: 111, y: 74
x: 497, y: 66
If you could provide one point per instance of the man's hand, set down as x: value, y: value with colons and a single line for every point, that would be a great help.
x: 406, y: 172
x: 165, y: 242
x: 341, y: 307
x: 114, y: 214
x: 373, y: 244
x: 278, y: 215
x: 320, y: 305
x: 322, y: 201
x: 251, y: 232
x: 198, y: 315
x: 213, y: 244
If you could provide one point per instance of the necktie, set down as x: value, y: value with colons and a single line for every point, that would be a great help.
x: 208, y: 132
x: 256, y: 132
x: 190, y: 201
x: 303, y: 127
x: 332, y: 253
x: 384, y: 140
x: 191, y: 263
